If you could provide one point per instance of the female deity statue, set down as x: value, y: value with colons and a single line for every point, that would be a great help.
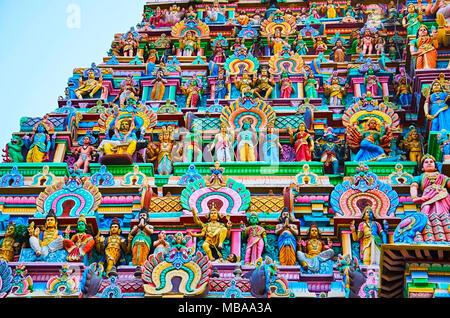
x: 311, y: 86
x: 158, y: 14
x: 246, y: 143
x: 127, y: 90
x: 413, y: 144
x: 412, y: 20
x: 159, y: 83
x: 371, y: 82
x: 192, y: 90
x: 314, y: 251
x: 40, y: 143
x: 190, y: 44
x: 286, y: 87
x: 265, y: 84
x: 161, y: 245
x: 424, y: 49
x: 286, y: 231
x: 439, y: 114
x: 367, y: 42
x: 373, y: 141
x: 80, y: 245
x: 192, y: 147
x: 220, y: 87
x: 319, y: 45
x: 271, y: 145
x: 256, y: 239
x: 303, y: 143
x: 434, y: 185
x: 153, y: 56
x: 222, y: 144
x: 245, y: 84
x: 335, y: 91
x: 219, y: 54
x: 129, y: 44
x: 370, y: 235
x: 300, y: 45
x: 214, y: 232
x: 331, y: 9
x: 86, y: 151
x: 112, y: 248
x: 166, y: 141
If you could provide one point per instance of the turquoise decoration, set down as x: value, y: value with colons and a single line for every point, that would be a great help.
x: 190, y: 176
x: 112, y: 291
x: 103, y: 177
x: 406, y: 230
x: 6, y: 278
x: 12, y: 179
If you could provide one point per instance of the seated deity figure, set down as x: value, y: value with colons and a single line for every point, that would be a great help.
x: 89, y: 86
x: 286, y: 231
x: 246, y: 84
x: 113, y: 248
x: 214, y: 232
x: 80, y: 245
x: 123, y: 141
x: 127, y: 90
x: 314, y: 251
x: 161, y: 245
x: 48, y: 241
x: 265, y: 85
x: 189, y: 44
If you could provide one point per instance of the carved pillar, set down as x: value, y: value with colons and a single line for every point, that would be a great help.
x: 236, y: 242
x: 59, y: 152
x: 346, y: 243
x: 300, y: 90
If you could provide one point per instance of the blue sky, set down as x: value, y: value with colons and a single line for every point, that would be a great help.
x: 41, y: 44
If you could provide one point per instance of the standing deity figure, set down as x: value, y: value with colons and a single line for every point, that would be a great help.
x: 245, y: 84
x: 222, y: 143
x: 372, y: 83
x: 85, y: 152
x: 330, y: 9
x: 277, y: 43
x: 89, y: 86
x: 40, y: 143
x: 192, y: 146
x: 127, y: 91
x: 123, y: 141
x: 129, y: 44
x: 112, y: 248
x: 300, y: 45
x: 153, y: 56
x: 338, y: 51
x: 159, y: 83
x: 311, y: 86
x: 190, y: 44
x: 335, y: 91
x: 192, y: 91
x: 319, y: 45
x: 433, y: 185
x: 48, y: 241
x: 439, y: 114
x: 302, y: 141
x: 246, y: 143
x: 379, y: 46
x: 219, y: 54
x: 286, y: 231
x: 272, y: 147
x: 256, y: 239
x: 8, y: 245
x: 139, y: 241
x: 286, y: 87
x: 314, y: 251
x: 80, y: 245
x: 424, y: 49
x: 265, y: 84
x: 373, y: 140
x: 367, y: 42
x: 329, y: 152
x: 161, y: 245
x: 412, y: 20
x: 220, y: 87
x: 166, y: 141
x: 404, y: 91
x: 371, y: 235
x: 214, y: 232
x: 413, y: 144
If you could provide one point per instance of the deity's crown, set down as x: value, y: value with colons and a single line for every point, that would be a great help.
x: 82, y: 218
x: 427, y: 156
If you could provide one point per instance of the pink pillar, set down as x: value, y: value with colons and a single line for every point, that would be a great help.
x: 236, y: 242
x: 356, y: 89
x: 385, y: 89
x: 200, y: 52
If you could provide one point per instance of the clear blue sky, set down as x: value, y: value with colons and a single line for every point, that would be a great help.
x: 41, y: 45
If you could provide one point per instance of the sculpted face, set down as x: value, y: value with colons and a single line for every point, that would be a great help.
x: 10, y: 230
x: 429, y: 165
x: 115, y: 229
x: 213, y: 215
x: 423, y: 31
x: 124, y: 126
x: 314, y: 232
x: 162, y: 235
x: 253, y: 220
x: 436, y: 88
x: 81, y: 226
x: 86, y: 141
x: 372, y: 124
x: 40, y: 129
x: 302, y: 127
x: 50, y: 222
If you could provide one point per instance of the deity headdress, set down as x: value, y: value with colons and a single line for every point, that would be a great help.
x: 372, y: 119
x: 82, y: 218
x: 427, y: 156
x: 89, y: 135
x: 48, y: 126
x: 115, y: 221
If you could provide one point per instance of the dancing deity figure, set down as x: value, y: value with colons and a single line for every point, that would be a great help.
x: 214, y: 232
